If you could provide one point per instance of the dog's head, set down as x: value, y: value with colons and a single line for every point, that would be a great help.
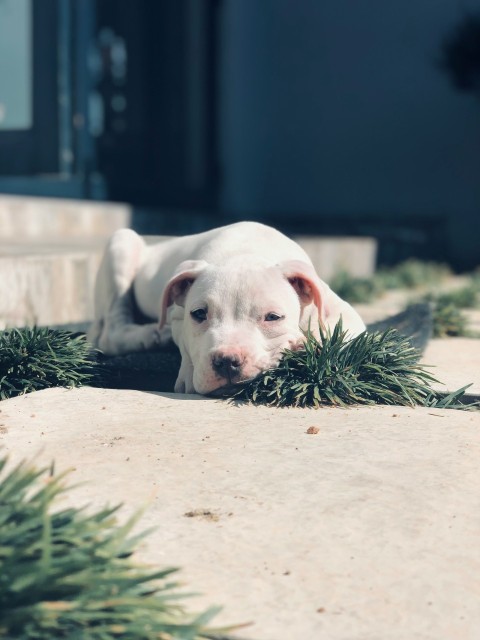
x: 231, y: 322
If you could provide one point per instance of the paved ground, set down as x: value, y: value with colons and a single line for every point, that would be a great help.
x: 366, y: 530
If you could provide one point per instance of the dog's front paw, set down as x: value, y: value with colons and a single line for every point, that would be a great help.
x: 184, y: 383
x: 152, y: 337
x: 106, y: 342
x: 117, y: 340
x: 165, y: 335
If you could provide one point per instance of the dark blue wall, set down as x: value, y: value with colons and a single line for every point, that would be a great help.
x: 337, y: 107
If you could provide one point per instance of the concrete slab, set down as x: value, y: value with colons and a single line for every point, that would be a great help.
x: 365, y: 530
x: 455, y: 362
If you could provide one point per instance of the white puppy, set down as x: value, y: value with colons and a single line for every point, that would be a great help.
x: 232, y: 299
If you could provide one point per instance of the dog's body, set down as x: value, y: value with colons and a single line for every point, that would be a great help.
x: 232, y: 299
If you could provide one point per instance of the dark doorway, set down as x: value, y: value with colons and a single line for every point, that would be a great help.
x: 157, y: 142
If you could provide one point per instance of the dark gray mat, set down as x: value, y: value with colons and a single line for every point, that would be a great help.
x: 416, y: 323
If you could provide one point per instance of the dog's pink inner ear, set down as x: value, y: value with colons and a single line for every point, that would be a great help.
x: 179, y: 285
x: 304, y: 289
x: 307, y: 285
x: 178, y: 291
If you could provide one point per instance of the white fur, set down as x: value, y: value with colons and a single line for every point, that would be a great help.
x: 237, y: 276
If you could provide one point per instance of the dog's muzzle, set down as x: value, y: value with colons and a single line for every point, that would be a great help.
x: 228, y: 367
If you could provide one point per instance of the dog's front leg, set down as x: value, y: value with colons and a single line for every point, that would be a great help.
x: 114, y: 330
x: 184, y: 383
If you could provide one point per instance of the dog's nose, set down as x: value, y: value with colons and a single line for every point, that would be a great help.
x: 227, y: 366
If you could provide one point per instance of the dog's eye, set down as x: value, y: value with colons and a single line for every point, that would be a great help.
x: 272, y: 317
x: 199, y: 315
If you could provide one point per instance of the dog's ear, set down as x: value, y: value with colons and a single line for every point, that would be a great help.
x: 309, y: 287
x: 177, y: 287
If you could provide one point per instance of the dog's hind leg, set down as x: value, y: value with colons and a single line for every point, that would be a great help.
x: 114, y: 330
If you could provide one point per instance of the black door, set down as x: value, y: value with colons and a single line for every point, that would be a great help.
x: 157, y: 86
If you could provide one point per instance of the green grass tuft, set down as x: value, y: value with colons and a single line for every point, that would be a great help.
x: 373, y: 368
x: 412, y: 274
x: 38, y: 358
x: 448, y: 320
x: 356, y: 290
x: 466, y: 297
x: 69, y: 574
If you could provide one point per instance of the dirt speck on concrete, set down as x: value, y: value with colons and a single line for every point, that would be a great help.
x: 205, y: 514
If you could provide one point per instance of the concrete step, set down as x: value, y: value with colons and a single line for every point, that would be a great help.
x: 23, y: 218
x: 47, y: 284
x: 49, y: 254
x: 51, y: 281
x: 50, y: 250
x: 331, y: 255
